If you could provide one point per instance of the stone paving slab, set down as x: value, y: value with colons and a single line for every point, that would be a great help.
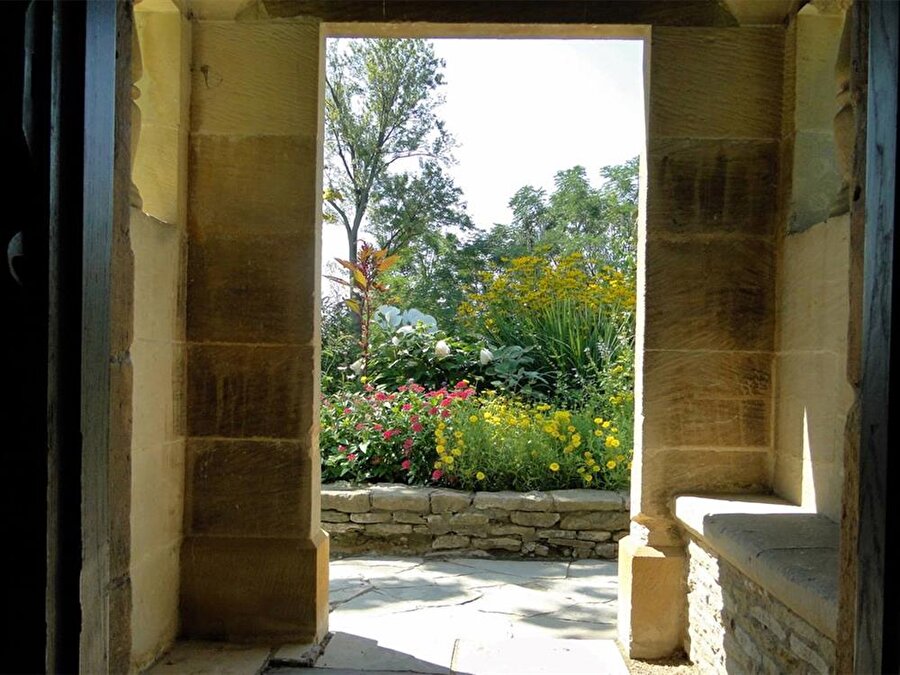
x: 211, y: 658
x: 550, y: 657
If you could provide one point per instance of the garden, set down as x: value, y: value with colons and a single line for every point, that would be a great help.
x: 483, y: 359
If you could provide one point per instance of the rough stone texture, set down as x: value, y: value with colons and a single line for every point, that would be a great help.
x: 734, y: 625
x: 347, y: 501
x: 443, y: 501
x: 400, y: 498
x: 391, y: 519
x: 595, y: 521
x: 534, y: 519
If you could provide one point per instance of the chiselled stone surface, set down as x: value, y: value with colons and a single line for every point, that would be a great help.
x: 450, y: 541
x: 498, y: 543
x: 369, y: 518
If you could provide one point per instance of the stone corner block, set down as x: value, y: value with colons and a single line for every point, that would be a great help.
x: 587, y: 500
x: 444, y: 500
x: 345, y: 500
x: 394, y: 497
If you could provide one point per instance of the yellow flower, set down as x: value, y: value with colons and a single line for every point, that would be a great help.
x: 458, y: 434
x: 456, y: 452
x: 473, y: 418
x: 598, y: 420
x: 363, y: 379
x: 589, y: 455
x: 611, y: 442
x: 438, y: 465
x: 449, y: 460
x: 588, y: 478
x: 620, y: 458
x: 576, y: 440
x: 595, y: 468
x: 479, y: 476
x: 598, y: 432
x: 441, y: 449
x: 570, y: 428
x: 605, y: 424
x: 554, y: 466
x: 610, y: 464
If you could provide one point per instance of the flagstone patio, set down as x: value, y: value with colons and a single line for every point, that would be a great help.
x: 455, y: 615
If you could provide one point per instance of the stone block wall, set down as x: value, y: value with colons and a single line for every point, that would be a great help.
x: 736, y: 626
x: 402, y: 519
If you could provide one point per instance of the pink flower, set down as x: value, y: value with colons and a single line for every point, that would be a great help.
x: 402, y: 388
x: 433, y: 411
x: 360, y: 426
x: 406, y: 406
x: 352, y: 456
x: 447, y: 401
x: 347, y: 411
x: 413, y: 419
x: 390, y: 432
x: 417, y: 428
x: 417, y: 388
x: 369, y: 387
x: 342, y: 449
x: 436, y: 474
x: 445, y: 413
x: 407, y: 444
x: 405, y: 464
x: 377, y: 427
x: 462, y: 384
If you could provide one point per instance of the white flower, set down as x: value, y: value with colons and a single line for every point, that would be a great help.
x: 441, y: 349
x: 485, y: 356
x: 403, y: 330
x: 357, y: 366
x: 395, y: 341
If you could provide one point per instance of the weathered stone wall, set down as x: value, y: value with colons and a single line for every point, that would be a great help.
x: 402, y: 519
x: 158, y: 241
x: 254, y: 561
x: 735, y: 626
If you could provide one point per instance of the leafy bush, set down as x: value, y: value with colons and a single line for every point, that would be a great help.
x: 575, y: 317
x: 454, y: 438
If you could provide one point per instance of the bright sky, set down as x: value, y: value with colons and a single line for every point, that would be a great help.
x: 521, y: 110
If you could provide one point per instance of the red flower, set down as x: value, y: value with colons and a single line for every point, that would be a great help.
x: 390, y: 432
x: 405, y: 464
x: 417, y: 428
x: 436, y: 474
x: 342, y: 449
x: 407, y: 444
x: 413, y: 419
x: 462, y: 384
x: 352, y: 456
x: 369, y: 387
x: 347, y: 411
x: 445, y: 413
x: 447, y: 401
x: 406, y: 406
x: 377, y: 427
x: 433, y: 411
x: 360, y: 426
x: 417, y: 388
x: 402, y: 388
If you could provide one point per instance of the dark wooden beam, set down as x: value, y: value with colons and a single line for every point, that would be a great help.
x: 615, y: 12
x: 877, y: 598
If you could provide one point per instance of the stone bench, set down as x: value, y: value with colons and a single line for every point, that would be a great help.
x: 415, y: 520
x: 762, y: 577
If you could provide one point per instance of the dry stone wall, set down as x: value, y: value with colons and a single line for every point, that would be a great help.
x: 736, y: 626
x: 402, y: 519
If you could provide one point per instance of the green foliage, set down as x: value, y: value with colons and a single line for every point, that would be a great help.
x: 381, y: 101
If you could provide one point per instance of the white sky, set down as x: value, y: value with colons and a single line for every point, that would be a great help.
x: 521, y: 110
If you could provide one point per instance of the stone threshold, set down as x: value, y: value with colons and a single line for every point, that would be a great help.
x: 787, y: 550
x: 404, y: 519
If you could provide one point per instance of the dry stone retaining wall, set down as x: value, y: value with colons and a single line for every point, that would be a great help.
x: 736, y: 626
x: 403, y: 519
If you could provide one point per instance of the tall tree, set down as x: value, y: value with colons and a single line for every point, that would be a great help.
x: 381, y: 97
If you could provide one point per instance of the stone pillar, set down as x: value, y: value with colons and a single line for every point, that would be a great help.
x: 706, y: 284
x: 255, y: 560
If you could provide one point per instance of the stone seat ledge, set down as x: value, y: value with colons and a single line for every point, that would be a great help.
x: 789, y: 551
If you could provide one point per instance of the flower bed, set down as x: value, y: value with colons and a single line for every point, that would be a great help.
x: 456, y: 438
x: 400, y: 519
